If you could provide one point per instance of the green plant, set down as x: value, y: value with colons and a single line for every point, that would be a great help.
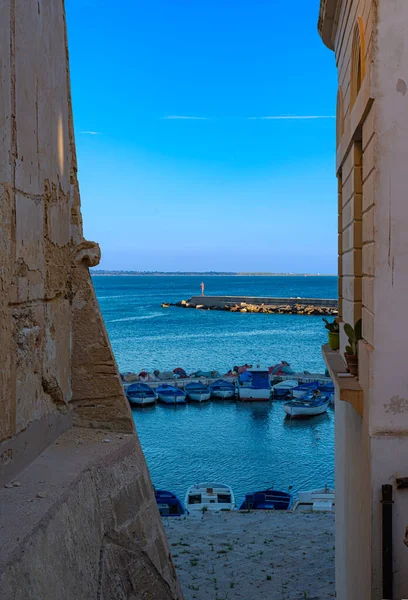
x: 354, y: 335
x: 331, y: 326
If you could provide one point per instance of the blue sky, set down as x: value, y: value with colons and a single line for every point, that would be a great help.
x: 226, y: 188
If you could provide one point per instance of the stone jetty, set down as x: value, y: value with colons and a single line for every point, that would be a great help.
x: 246, y: 304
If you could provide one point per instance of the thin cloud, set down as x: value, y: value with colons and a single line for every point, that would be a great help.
x: 90, y: 132
x: 185, y: 118
x: 290, y: 117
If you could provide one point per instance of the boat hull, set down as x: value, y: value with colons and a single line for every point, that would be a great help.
x: 199, y: 396
x: 247, y: 394
x: 172, y: 399
x: 143, y: 401
x: 305, y: 411
x: 223, y: 394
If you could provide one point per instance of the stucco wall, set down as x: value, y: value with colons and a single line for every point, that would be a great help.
x: 372, y: 450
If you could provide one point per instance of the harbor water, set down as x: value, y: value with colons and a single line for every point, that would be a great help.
x: 248, y: 446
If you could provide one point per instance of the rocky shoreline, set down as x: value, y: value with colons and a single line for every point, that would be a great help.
x: 245, y: 307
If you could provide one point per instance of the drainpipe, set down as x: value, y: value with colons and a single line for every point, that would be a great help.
x: 387, y: 502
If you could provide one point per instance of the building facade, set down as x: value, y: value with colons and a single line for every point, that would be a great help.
x: 369, y: 40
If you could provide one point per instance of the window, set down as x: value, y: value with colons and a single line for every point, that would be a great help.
x: 339, y: 116
x: 357, y: 60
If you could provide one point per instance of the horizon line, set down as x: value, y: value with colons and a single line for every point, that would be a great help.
x: 253, y: 273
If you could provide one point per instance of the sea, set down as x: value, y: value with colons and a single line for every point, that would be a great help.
x: 248, y: 446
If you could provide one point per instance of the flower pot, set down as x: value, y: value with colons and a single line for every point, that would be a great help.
x: 352, y: 363
x: 334, y: 341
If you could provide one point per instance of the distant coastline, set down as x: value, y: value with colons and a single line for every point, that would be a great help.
x: 99, y: 272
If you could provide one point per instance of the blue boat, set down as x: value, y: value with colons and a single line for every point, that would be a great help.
x: 168, y: 504
x: 305, y: 388
x: 141, y: 394
x: 309, y: 405
x: 267, y: 500
x: 254, y: 385
x: 328, y: 388
x: 197, y: 391
x: 169, y: 394
x: 222, y: 389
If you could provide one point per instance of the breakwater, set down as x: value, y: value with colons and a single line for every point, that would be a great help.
x: 264, y: 305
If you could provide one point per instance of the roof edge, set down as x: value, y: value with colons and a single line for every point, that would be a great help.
x: 326, y: 24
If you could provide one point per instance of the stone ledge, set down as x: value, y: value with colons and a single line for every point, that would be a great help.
x: 348, y: 389
x: 70, y: 503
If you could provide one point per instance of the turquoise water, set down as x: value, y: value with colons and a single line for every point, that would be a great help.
x: 247, y: 446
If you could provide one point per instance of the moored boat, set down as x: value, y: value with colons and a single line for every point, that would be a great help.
x: 168, y: 504
x: 267, y: 500
x: 141, y: 394
x: 222, y: 389
x: 283, y: 389
x: 304, y: 388
x: 169, y: 394
x: 254, y: 385
x: 197, y: 391
x: 209, y: 496
x: 309, y: 405
x: 316, y: 500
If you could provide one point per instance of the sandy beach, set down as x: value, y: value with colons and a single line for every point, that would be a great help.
x: 254, y: 556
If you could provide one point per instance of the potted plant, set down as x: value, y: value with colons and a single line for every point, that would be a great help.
x: 351, y: 353
x: 333, y: 333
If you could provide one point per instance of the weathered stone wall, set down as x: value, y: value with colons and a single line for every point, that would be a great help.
x: 55, y: 353
x: 57, y: 367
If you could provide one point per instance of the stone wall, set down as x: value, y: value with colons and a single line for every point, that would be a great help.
x: 57, y: 371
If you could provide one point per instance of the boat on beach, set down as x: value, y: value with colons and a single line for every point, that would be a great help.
x: 197, y: 391
x: 269, y: 499
x: 309, y: 405
x: 316, y: 500
x: 222, y: 389
x: 168, y: 504
x: 141, y: 394
x: 283, y: 389
x: 254, y: 385
x: 209, y: 496
x: 169, y: 394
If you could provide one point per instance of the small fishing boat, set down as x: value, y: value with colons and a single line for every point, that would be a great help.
x: 316, y: 500
x: 222, y: 389
x: 304, y: 388
x: 254, y: 385
x: 168, y: 504
x: 284, y: 388
x: 267, y: 500
x: 328, y: 388
x: 141, y: 394
x: 169, y: 394
x: 308, y: 405
x: 197, y: 391
x: 209, y: 496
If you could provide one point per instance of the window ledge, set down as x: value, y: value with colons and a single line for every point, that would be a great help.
x: 348, y: 389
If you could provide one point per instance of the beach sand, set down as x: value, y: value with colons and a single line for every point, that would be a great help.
x: 254, y: 556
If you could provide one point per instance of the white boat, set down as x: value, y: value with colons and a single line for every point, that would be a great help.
x: 209, y: 496
x: 222, y: 389
x: 254, y: 385
x: 141, y: 394
x: 309, y: 405
x: 316, y: 500
x: 197, y: 391
x: 284, y: 388
x: 169, y: 394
